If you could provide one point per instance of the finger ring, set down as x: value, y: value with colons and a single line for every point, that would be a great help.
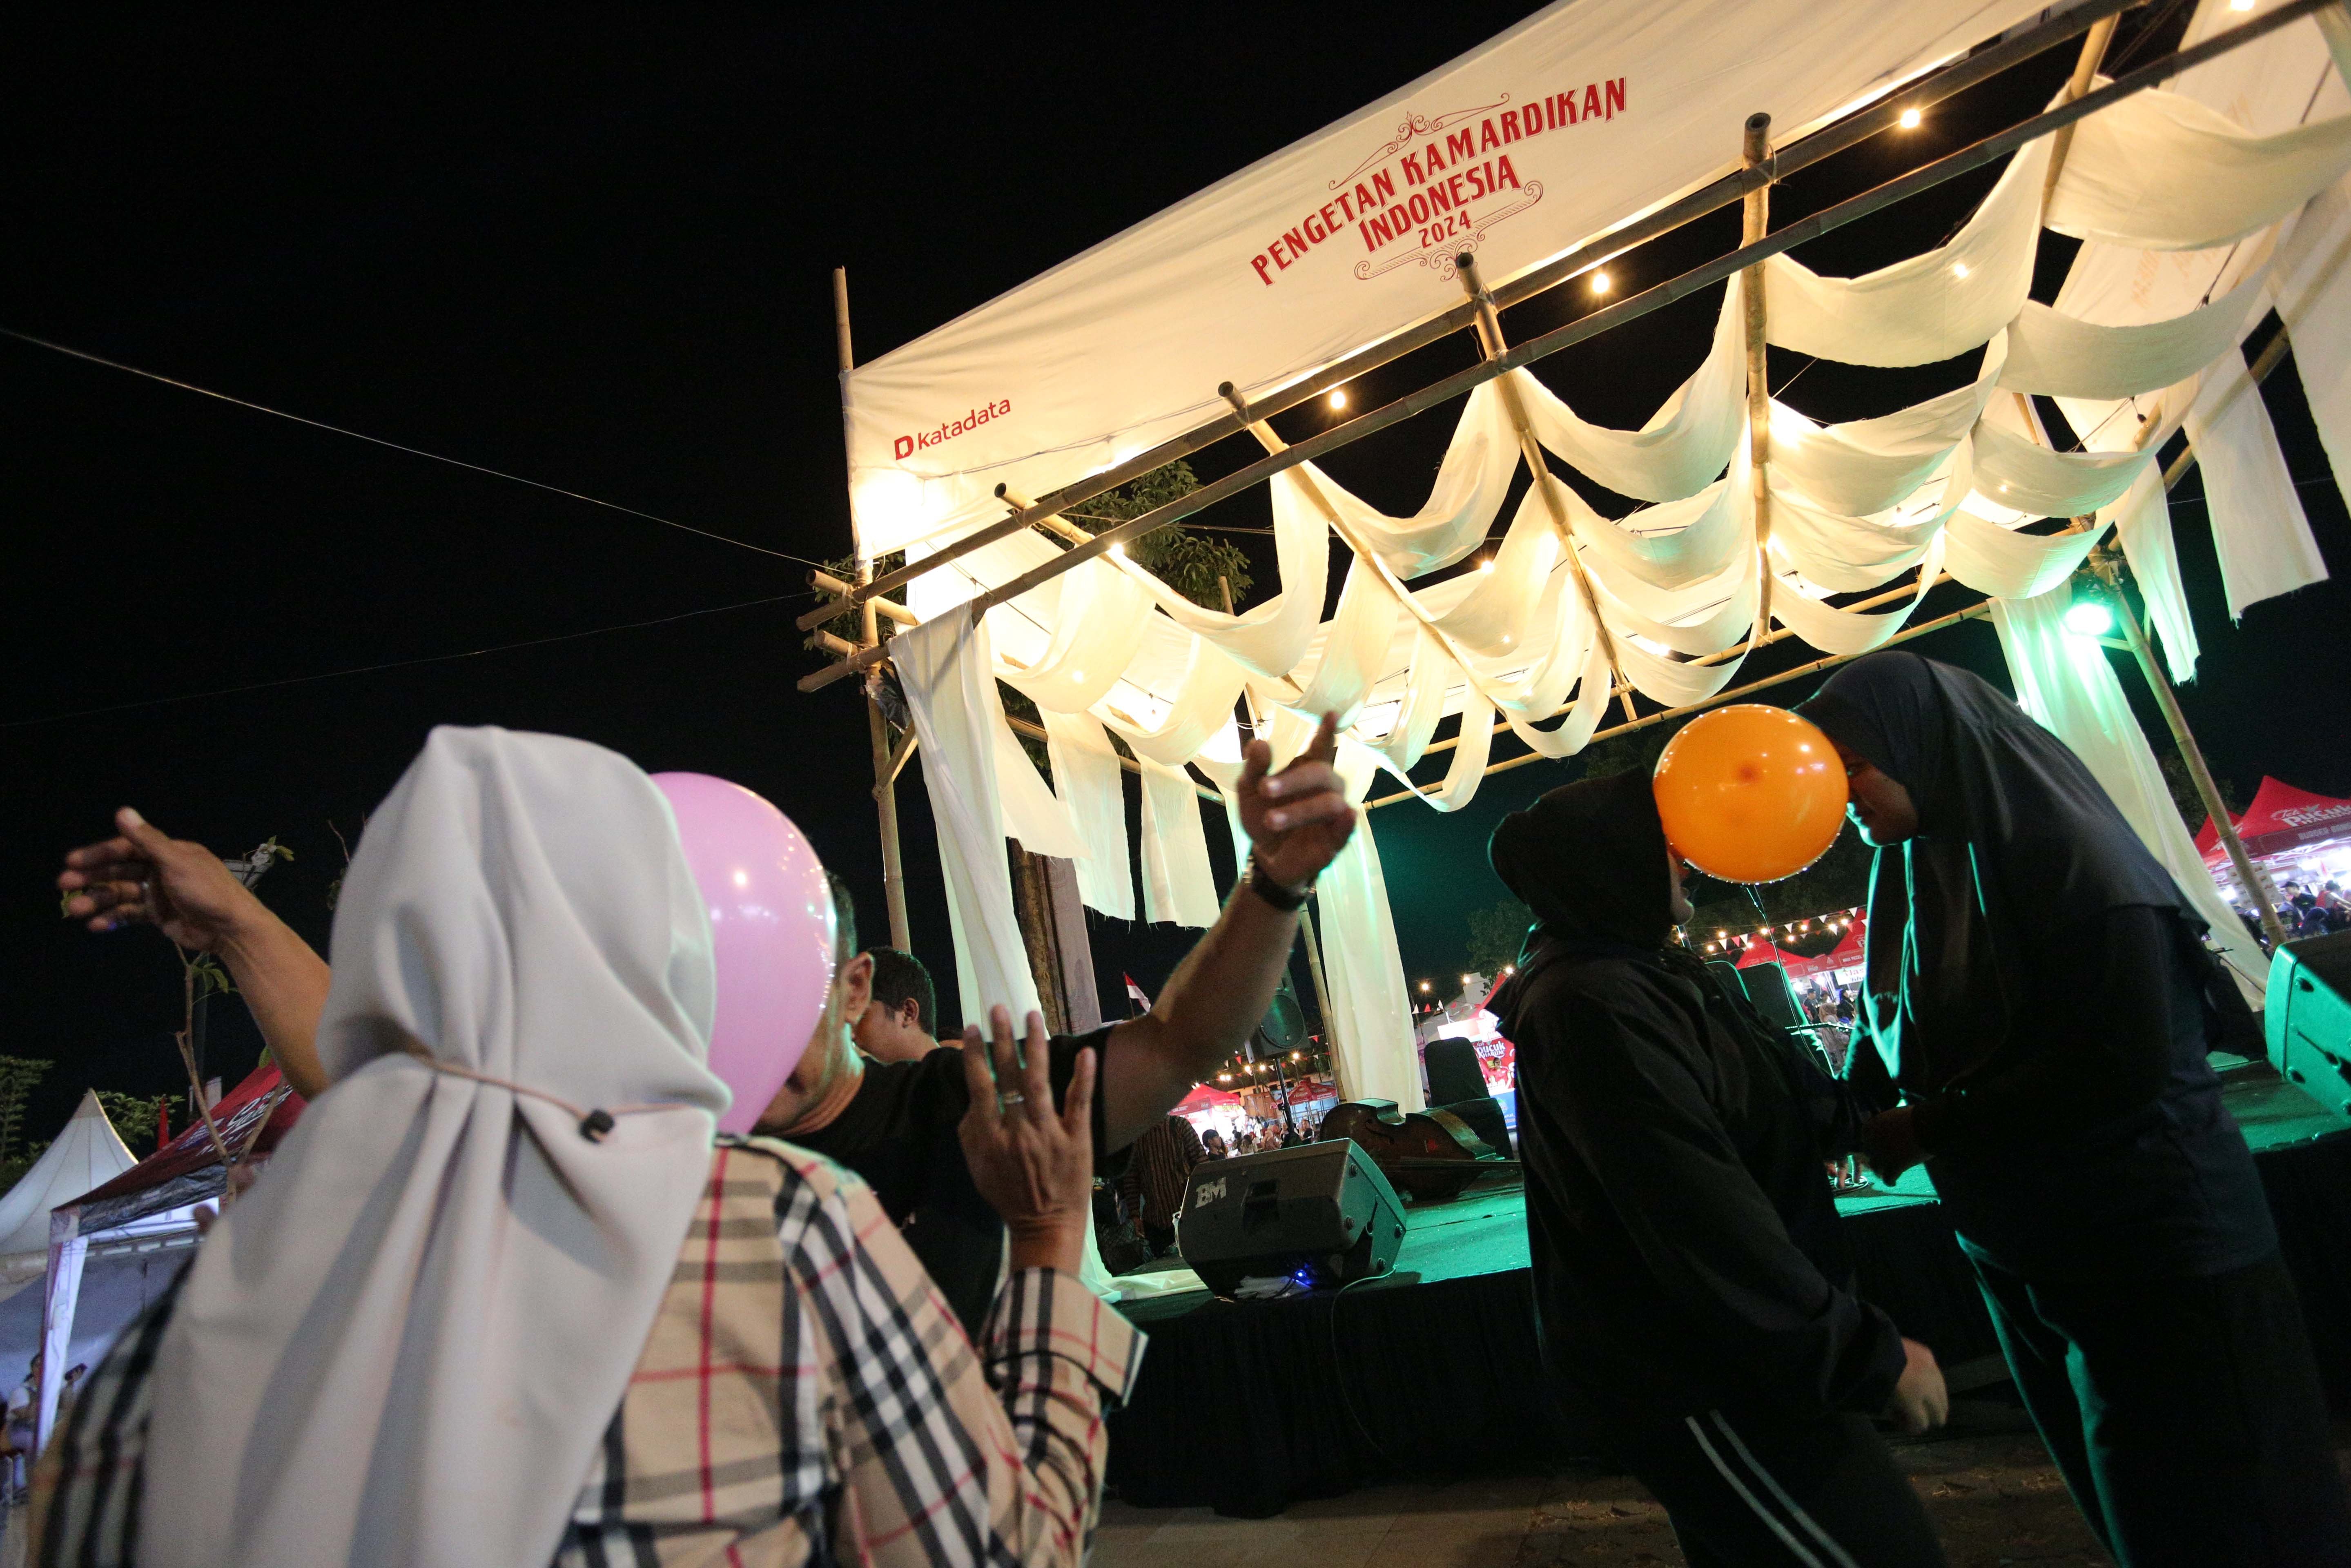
x: 1004, y: 1102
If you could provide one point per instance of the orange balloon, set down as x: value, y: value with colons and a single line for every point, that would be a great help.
x: 1750, y: 793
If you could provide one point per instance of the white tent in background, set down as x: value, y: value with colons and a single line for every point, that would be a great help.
x: 88, y: 1153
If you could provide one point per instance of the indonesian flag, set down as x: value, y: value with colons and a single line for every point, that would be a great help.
x: 1134, y: 994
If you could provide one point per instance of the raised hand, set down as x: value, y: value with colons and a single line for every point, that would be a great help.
x: 1299, y: 819
x: 1033, y: 1164
x: 146, y: 875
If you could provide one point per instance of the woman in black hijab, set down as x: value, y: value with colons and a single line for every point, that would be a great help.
x: 1694, y: 1289
x: 2038, y: 987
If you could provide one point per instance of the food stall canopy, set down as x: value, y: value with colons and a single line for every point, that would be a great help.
x: 1205, y: 1098
x: 2280, y: 821
x: 1570, y: 125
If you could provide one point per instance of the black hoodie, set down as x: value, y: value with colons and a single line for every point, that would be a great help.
x: 1687, y: 1254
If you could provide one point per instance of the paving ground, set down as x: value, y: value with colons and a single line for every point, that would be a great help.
x: 1994, y: 1499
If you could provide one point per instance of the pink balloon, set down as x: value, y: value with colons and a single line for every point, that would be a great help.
x: 771, y: 928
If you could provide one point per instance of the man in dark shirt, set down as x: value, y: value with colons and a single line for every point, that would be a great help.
x: 898, y: 1021
x: 1156, y: 1175
x: 895, y: 1123
x: 1692, y: 1279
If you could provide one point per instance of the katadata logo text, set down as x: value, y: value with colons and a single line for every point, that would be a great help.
x: 907, y: 445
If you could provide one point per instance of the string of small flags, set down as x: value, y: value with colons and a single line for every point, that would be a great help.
x: 1732, y: 939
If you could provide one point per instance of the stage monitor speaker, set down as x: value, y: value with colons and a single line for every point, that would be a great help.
x: 1319, y: 1213
x: 1453, y: 1072
x: 2308, y: 1018
x: 1774, y: 996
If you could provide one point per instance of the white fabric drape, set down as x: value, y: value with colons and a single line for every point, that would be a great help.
x: 1684, y: 444
x: 2066, y: 684
x: 1269, y: 637
x: 405, y: 1344
x: 2007, y: 564
x: 1930, y: 306
x: 1676, y: 544
x: 1032, y: 813
x: 1086, y: 772
x: 948, y: 672
x: 2258, y: 526
x: 1847, y: 554
x: 1835, y: 630
x: 2026, y: 476
x: 1097, y: 628
x: 2161, y: 172
x: 1177, y: 883
x: 2142, y: 521
x: 2052, y: 353
x: 2314, y: 295
x: 1372, y: 1022
x: 1873, y: 464
x: 1472, y: 483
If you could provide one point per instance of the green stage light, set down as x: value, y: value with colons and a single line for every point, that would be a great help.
x: 2090, y: 618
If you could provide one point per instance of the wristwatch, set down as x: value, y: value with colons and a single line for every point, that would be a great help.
x: 1288, y: 900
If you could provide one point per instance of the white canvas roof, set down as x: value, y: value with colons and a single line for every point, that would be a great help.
x: 88, y: 1154
x: 1572, y: 124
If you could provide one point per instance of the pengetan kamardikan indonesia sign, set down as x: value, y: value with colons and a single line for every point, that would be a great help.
x: 1579, y: 120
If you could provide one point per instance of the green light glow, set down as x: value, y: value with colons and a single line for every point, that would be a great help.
x: 2090, y: 618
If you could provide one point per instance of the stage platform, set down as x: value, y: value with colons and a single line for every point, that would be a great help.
x: 1432, y: 1371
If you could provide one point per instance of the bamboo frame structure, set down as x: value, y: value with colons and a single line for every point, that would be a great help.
x: 1754, y: 222
x: 1831, y: 140
x: 1805, y: 230
x: 877, y: 729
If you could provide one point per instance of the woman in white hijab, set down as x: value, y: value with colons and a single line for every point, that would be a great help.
x: 407, y: 1344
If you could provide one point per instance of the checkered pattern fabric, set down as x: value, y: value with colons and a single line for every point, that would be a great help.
x: 805, y: 1395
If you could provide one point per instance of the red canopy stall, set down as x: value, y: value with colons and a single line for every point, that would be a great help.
x: 2282, y: 822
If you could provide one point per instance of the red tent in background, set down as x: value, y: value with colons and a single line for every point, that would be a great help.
x: 1756, y: 953
x: 148, y: 1205
x: 1845, y: 955
x: 1206, y: 1098
x: 2280, y: 821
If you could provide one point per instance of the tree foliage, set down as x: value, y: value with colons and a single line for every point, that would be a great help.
x: 1188, y: 562
x: 1496, y: 935
x: 135, y: 1116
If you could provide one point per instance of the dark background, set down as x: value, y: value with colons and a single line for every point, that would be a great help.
x: 592, y: 248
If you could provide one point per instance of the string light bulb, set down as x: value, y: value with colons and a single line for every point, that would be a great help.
x: 1911, y: 120
x: 1600, y: 283
x: 1339, y: 398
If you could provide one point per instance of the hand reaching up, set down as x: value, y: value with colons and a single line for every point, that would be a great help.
x: 146, y: 875
x: 1034, y: 1165
x: 1299, y: 819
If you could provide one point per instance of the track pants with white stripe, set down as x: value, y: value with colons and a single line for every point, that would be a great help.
x: 1749, y: 1491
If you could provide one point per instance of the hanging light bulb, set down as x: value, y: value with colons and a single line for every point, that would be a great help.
x: 1339, y: 397
x: 1910, y: 119
x: 1600, y: 283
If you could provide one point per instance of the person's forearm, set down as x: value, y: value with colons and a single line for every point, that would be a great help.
x: 284, y: 983
x: 1207, y: 1009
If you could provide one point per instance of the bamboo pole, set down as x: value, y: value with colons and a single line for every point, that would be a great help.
x: 1754, y: 222
x: 1370, y: 559
x: 1979, y: 66
x: 2086, y: 71
x: 1972, y: 612
x: 1322, y: 999
x: 1546, y: 483
x: 2108, y: 563
x: 877, y: 728
x: 1801, y: 231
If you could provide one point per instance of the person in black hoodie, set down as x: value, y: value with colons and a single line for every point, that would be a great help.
x: 1691, y: 1279
x: 2038, y: 988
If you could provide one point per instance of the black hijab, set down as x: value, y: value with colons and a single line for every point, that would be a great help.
x: 2018, y: 848
x: 1589, y: 858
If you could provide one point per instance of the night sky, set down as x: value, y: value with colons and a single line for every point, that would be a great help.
x: 593, y: 249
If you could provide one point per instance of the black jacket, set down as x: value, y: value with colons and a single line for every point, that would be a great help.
x: 1687, y: 1253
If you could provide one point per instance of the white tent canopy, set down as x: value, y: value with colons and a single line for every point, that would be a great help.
x: 88, y: 1153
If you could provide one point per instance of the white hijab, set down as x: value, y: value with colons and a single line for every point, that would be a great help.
x: 403, y: 1346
